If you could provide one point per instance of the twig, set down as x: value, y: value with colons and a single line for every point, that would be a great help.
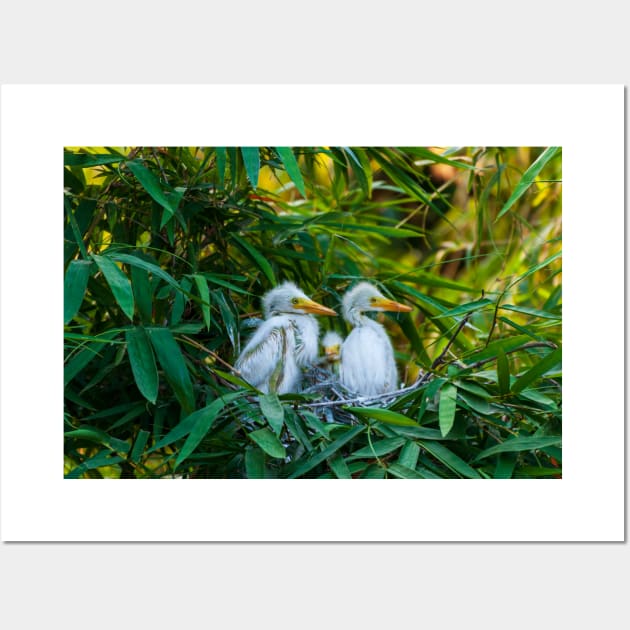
x: 440, y: 358
x: 214, y: 355
x: 364, y: 399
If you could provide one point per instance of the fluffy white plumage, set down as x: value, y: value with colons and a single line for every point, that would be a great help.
x: 284, y: 343
x: 368, y: 367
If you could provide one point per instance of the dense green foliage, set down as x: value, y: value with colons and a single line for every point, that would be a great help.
x: 168, y: 250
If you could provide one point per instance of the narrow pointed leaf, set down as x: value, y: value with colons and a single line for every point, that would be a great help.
x: 383, y: 415
x: 221, y: 161
x: 339, y: 466
x: 74, y: 285
x: 268, y: 442
x: 152, y: 185
x: 251, y: 159
x: 188, y: 423
x: 254, y: 463
x: 467, y: 308
x: 359, y: 170
x: 170, y: 357
x: 534, y: 312
x: 86, y: 160
x: 327, y: 452
x: 203, y: 421
x: 551, y: 360
x: 292, y: 168
x: 142, y: 293
x: 135, y: 261
x: 273, y: 410
x: 204, y: 295
x: 379, y: 448
x: 256, y: 256
x: 403, y: 472
x: 449, y: 459
x: 503, y: 372
x: 447, y: 407
x: 409, y: 455
x: 520, y: 444
x: 118, y: 283
x: 528, y: 178
x: 142, y: 362
x: 139, y: 444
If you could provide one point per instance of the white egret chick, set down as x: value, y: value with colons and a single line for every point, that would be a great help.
x: 368, y: 367
x: 331, y: 344
x: 284, y: 343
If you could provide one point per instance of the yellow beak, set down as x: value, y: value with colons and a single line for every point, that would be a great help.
x: 314, y: 307
x: 389, y: 305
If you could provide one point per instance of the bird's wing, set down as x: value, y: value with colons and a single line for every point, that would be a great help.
x: 262, y: 361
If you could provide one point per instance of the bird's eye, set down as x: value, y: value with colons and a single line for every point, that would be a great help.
x: 294, y: 300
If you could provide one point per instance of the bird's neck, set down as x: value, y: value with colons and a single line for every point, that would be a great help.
x: 306, y: 338
x: 358, y: 318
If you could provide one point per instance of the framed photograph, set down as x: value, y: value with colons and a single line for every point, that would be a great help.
x: 345, y: 328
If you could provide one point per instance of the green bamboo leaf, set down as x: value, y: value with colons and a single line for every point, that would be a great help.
x: 101, y: 459
x: 467, y: 308
x: 85, y: 355
x: 142, y: 293
x: 139, y: 444
x: 92, y: 434
x: 152, y: 185
x: 339, y: 466
x: 86, y: 160
x: 536, y: 268
x: 379, y: 448
x: 273, y: 410
x: 228, y: 318
x: 172, y: 361
x: 256, y: 256
x: 447, y: 407
x: 135, y: 261
x: 431, y: 280
x: 503, y: 372
x: 409, y: 455
x: 78, y: 362
x: 430, y: 156
x: 188, y: 423
x: 520, y: 444
x: 552, y: 359
x: 403, y: 472
x: 204, y: 295
x: 142, y: 362
x: 534, y: 312
x: 268, y: 442
x: 251, y: 159
x: 449, y: 459
x: 118, y: 282
x: 221, y: 161
x: 203, y: 421
x: 528, y: 178
x: 383, y: 415
x: 410, y: 328
x: 360, y: 169
x: 292, y: 168
x: 309, y: 464
x: 254, y: 463
x: 74, y: 285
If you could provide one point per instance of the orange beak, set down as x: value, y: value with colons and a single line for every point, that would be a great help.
x: 389, y: 305
x: 314, y: 307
